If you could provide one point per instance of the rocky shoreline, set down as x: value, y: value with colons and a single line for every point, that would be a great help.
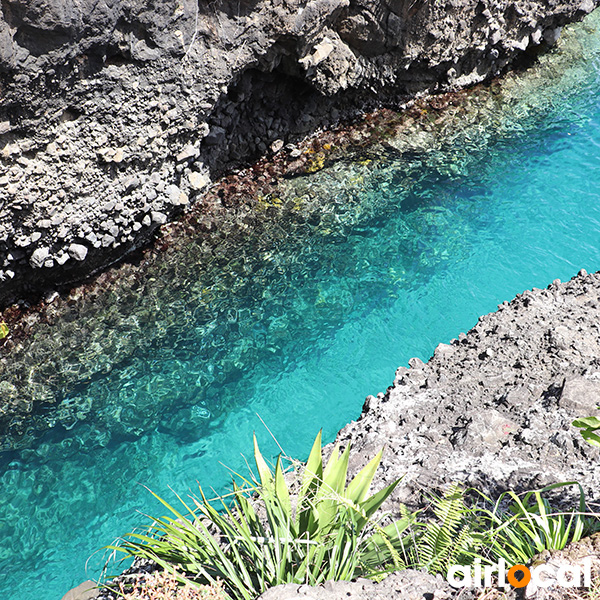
x: 77, y: 333
x: 491, y: 410
x: 68, y: 335
x: 115, y: 117
x: 83, y: 184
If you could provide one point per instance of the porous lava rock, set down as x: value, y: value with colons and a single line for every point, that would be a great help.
x: 116, y: 114
x: 405, y: 585
x: 493, y: 409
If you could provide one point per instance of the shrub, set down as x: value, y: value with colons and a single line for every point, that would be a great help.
x: 309, y: 526
x: 266, y: 533
x: 457, y: 533
x: 531, y: 525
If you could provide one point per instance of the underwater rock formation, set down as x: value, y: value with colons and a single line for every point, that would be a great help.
x: 114, y: 115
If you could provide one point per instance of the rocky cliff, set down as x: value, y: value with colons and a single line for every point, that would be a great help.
x: 115, y: 114
x: 493, y: 409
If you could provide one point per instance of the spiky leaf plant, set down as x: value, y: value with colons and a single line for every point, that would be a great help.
x: 262, y: 534
x: 590, y: 429
x: 458, y: 534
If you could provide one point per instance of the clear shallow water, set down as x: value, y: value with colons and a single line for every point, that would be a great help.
x: 302, y: 323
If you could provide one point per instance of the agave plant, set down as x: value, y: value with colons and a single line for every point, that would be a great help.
x: 323, y: 497
x: 266, y: 532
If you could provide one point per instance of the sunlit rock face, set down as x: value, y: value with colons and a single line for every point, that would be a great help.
x: 114, y: 115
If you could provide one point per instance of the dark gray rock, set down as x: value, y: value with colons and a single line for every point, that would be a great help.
x: 98, y: 95
x: 579, y: 393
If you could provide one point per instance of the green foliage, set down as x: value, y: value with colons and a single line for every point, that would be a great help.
x: 452, y: 537
x: 590, y: 429
x: 531, y: 525
x: 265, y: 533
x: 4, y: 331
x: 516, y: 531
x: 311, y: 526
x: 515, y: 528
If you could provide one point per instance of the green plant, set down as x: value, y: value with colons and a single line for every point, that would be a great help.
x: 265, y: 532
x: 516, y: 532
x: 590, y: 429
x: 4, y: 331
x: 531, y: 525
x: 453, y: 536
x: 309, y: 526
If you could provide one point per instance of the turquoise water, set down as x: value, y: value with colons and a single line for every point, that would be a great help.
x: 300, y: 329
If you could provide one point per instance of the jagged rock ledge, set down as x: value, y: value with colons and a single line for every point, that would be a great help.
x: 114, y: 116
x: 493, y: 409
